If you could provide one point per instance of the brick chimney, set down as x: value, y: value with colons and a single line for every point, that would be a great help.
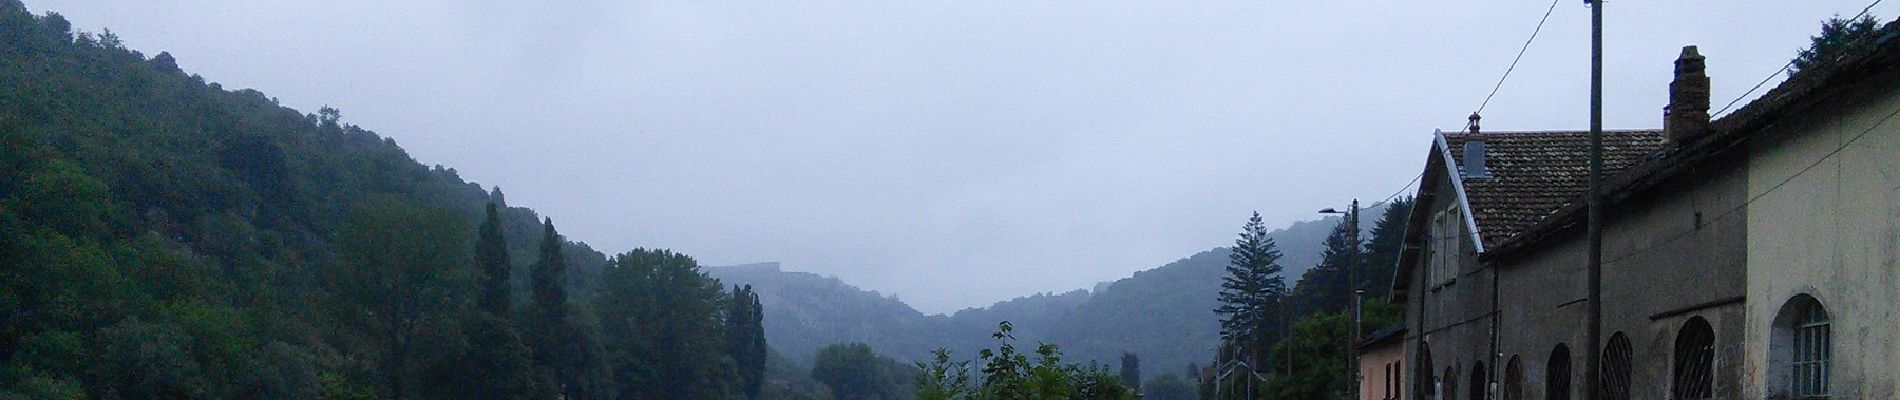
x: 1687, y: 115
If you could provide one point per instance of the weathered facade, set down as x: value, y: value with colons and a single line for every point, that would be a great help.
x: 1823, y: 227
x: 1749, y: 257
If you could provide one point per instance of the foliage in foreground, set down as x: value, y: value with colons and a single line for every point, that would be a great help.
x: 1008, y: 374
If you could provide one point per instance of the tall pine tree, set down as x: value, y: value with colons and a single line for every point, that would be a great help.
x: 1251, y: 297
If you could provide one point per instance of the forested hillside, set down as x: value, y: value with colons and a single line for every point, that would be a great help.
x: 162, y: 237
x: 1164, y: 315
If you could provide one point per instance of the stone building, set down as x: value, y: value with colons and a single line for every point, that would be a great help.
x: 1748, y: 257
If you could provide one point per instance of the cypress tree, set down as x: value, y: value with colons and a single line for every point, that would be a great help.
x: 491, y: 254
x: 550, y: 295
x: 549, y: 302
x: 1131, y: 370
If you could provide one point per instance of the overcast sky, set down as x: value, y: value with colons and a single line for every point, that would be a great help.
x: 954, y: 153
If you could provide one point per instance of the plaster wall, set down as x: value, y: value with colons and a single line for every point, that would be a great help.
x: 1374, y: 375
x: 1826, y: 222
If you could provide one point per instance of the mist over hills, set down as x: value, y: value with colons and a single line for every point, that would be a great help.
x: 1164, y: 315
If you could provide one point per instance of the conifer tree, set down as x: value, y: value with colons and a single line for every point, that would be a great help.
x: 499, y: 362
x: 1251, y: 296
x: 1323, y: 287
x: 1382, y: 251
x: 548, y: 326
x: 491, y: 254
x: 550, y: 295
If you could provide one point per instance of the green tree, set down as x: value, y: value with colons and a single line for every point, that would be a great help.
x: 1131, y: 370
x: 662, y: 330
x: 399, y: 275
x: 551, y: 335
x: 1323, y: 287
x: 745, y: 339
x: 853, y: 372
x: 1009, y: 375
x: 1837, y: 34
x: 1251, y: 297
x: 491, y: 253
x: 1382, y: 251
x: 499, y: 364
x: 1317, y: 348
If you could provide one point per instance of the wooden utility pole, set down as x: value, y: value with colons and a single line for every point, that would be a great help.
x: 1593, y: 349
x: 1352, y: 295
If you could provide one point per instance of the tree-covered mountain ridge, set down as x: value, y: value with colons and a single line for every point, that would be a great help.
x: 162, y: 237
x: 1163, y: 314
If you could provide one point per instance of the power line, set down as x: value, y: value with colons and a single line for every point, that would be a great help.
x: 1785, y: 67
x: 1520, y: 56
x: 1408, y: 185
x: 1771, y: 189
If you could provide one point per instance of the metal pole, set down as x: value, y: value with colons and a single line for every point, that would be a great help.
x: 1592, y: 356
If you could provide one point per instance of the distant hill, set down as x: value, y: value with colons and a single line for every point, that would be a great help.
x: 1164, y: 315
x: 164, y: 237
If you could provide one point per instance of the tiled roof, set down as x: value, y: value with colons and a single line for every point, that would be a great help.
x: 1871, y: 57
x: 1532, y: 174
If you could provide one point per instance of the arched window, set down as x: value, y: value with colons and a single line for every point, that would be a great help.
x: 1424, y: 385
x: 1557, y: 380
x: 1513, y: 380
x: 1477, y: 381
x: 1616, y: 368
x: 1695, y: 360
x: 1449, y: 382
x: 1799, y: 350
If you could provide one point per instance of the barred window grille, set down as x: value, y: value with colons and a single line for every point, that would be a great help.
x: 1811, y: 340
x: 1616, y: 368
x: 1513, y: 380
x: 1557, y: 384
x: 1695, y: 360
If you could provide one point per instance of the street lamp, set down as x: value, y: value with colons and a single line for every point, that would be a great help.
x: 1352, y: 294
